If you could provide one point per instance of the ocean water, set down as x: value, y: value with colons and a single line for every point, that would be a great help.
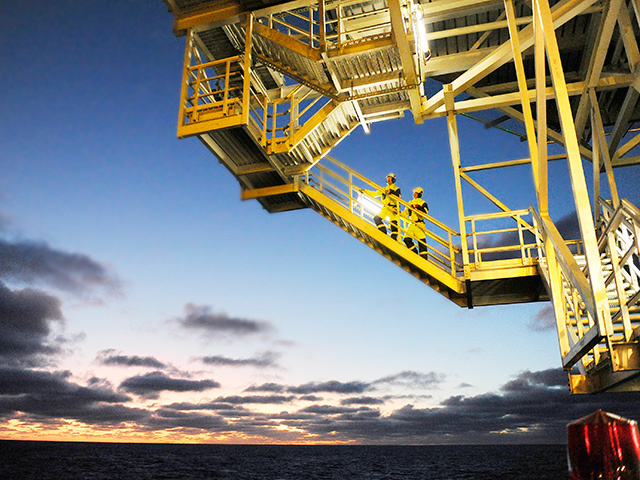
x: 99, y: 461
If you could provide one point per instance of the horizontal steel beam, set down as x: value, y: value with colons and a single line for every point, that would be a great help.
x: 268, y: 191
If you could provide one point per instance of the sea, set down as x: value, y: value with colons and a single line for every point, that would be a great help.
x: 98, y: 461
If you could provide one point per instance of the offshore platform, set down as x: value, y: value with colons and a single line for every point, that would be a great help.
x: 271, y: 86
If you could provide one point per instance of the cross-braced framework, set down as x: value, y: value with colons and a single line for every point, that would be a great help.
x: 271, y: 87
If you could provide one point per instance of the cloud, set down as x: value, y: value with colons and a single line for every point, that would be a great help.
x: 267, y: 359
x: 187, y: 406
x: 200, y: 318
x: 310, y: 398
x: 362, y: 401
x: 164, y: 419
x: 327, y: 410
x: 260, y: 399
x: 151, y: 384
x: 543, y: 320
x: 413, y: 379
x: 332, y: 386
x: 25, y: 317
x: 35, y: 263
x: 266, y: 387
x: 108, y: 357
x: 407, y: 378
x: 527, y: 380
x: 42, y: 394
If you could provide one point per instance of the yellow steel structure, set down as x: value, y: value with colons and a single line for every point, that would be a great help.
x: 272, y: 86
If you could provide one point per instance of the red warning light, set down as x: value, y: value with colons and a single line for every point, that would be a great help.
x: 603, y: 446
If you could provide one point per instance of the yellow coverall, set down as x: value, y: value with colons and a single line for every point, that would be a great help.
x: 389, y: 208
x: 416, y: 230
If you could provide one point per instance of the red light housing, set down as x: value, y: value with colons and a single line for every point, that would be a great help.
x: 603, y: 446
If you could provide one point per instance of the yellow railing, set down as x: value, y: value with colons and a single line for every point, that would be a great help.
x: 501, y: 236
x: 619, y: 242
x: 275, y: 123
x: 347, y: 23
x: 213, y: 98
x: 583, y: 331
x: 213, y: 89
x: 344, y: 185
x: 329, y: 25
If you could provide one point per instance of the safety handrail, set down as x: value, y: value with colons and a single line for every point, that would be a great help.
x: 346, y: 186
x: 330, y: 24
x: 583, y: 328
x: 213, y: 90
x: 200, y: 95
x: 619, y: 241
x: 501, y: 249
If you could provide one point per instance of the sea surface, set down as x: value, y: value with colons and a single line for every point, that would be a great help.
x: 70, y: 461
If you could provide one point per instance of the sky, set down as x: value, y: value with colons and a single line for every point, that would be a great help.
x: 142, y: 301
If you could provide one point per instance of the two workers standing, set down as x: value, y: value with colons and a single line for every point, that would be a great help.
x: 416, y: 229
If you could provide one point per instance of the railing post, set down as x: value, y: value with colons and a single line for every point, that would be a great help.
x: 293, y: 117
x: 247, y: 70
x: 351, y: 192
x: 274, y: 114
x: 477, y: 256
x: 227, y: 74
x: 265, y: 120
x: 452, y: 256
x: 521, y: 237
x: 185, y: 80
x: 339, y: 25
x: 322, y: 26
x: 310, y: 26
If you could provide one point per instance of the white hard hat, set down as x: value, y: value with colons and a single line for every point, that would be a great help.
x: 418, y: 190
x: 392, y: 175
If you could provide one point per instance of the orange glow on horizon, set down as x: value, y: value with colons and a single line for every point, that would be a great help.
x: 72, y: 431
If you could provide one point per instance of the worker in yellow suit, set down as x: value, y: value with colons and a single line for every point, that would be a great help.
x: 389, y: 206
x: 416, y: 230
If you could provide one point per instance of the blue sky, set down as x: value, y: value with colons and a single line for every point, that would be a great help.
x: 143, y: 301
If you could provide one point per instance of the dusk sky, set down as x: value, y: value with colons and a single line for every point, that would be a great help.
x: 142, y: 300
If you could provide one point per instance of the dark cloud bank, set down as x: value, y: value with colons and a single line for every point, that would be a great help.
x: 534, y: 407
x: 36, y: 263
x: 28, y: 314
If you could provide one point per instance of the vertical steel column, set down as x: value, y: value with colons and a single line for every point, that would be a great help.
x: 454, y: 145
x: 576, y: 172
x: 595, y: 160
x: 406, y: 57
x: 246, y: 87
x: 541, y: 170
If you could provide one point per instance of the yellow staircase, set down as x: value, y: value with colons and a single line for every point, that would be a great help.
x: 601, y: 346
x: 334, y: 190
